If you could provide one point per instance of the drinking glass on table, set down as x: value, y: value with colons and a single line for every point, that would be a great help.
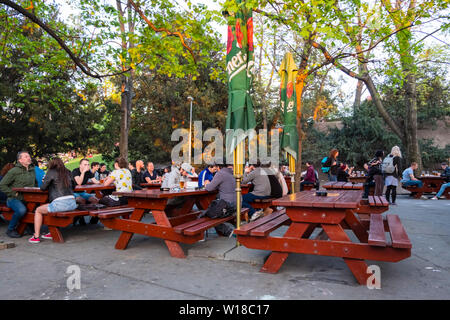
x: 182, y: 182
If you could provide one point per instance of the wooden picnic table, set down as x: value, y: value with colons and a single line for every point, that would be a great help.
x: 431, y: 184
x: 332, y: 185
x: 155, y: 185
x: 174, y: 226
x: 338, y: 211
x: 356, y: 179
x: 97, y: 188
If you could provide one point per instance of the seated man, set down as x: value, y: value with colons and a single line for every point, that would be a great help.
x: 103, y: 171
x: 95, y: 166
x: 446, y: 175
x: 22, y: 175
x: 344, y: 172
x: 137, y: 175
x: 408, y: 178
x: 150, y: 175
x: 259, y: 177
x: 310, y: 177
x: 81, y: 176
x: 207, y: 175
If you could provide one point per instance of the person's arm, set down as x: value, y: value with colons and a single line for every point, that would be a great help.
x: 5, y: 183
x: 79, y: 179
x: 214, y: 184
x: 47, y: 180
x: 248, y: 177
x: 108, y: 181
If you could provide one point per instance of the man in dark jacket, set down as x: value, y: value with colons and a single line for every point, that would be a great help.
x: 22, y: 175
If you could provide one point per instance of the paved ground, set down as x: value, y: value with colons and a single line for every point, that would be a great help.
x: 216, y: 269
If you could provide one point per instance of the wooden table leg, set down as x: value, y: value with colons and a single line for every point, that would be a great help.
x: 276, y: 259
x: 357, y: 266
x: 56, y: 234
x: 356, y: 226
x: 125, y: 236
x: 174, y: 247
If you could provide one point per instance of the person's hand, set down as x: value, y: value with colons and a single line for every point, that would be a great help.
x: 247, y: 170
x: 206, y: 182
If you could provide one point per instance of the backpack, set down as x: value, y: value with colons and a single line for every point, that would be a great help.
x: 325, y: 169
x: 387, y: 166
x: 218, y: 209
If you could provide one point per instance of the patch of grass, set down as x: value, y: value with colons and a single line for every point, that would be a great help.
x: 75, y: 163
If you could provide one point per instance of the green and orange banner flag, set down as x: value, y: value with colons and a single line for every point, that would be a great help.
x: 288, y: 100
x: 239, y: 70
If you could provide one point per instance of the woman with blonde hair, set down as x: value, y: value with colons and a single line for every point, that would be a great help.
x: 391, y: 171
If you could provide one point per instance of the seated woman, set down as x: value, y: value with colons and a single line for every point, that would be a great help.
x: 58, y: 181
x: 121, y: 177
x: 310, y: 177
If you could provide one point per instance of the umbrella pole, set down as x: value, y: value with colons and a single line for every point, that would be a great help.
x: 292, y: 171
x: 238, y: 173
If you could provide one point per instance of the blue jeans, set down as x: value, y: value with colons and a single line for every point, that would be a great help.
x: 332, y: 177
x: 417, y: 183
x: 250, y: 197
x: 86, y: 196
x: 441, y: 191
x: 62, y: 205
x: 367, y: 186
x: 19, y: 211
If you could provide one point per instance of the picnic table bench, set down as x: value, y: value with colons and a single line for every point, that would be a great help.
x: 333, y: 214
x: 174, y: 226
x: 431, y: 184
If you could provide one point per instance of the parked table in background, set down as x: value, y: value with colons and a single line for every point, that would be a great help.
x: 357, y: 179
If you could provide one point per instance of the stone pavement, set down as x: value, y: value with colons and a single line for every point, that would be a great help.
x: 217, y: 269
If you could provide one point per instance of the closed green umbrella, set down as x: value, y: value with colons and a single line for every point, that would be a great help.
x: 240, y: 107
x: 288, y: 100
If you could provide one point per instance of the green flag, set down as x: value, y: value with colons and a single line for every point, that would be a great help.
x: 288, y: 98
x: 239, y: 67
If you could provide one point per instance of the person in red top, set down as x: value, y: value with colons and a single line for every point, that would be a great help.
x: 310, y: 176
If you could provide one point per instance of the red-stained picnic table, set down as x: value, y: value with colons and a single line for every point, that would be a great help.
x: 431, y: 184
x: 174, y: 226
x: 35, y: 197
x: 338, y: 211
x: 96, y: 188
x: 156, y: 185
x: 357, y: 179
x: 333, y: 185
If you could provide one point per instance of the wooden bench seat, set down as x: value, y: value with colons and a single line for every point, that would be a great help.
x: 264, y: 226
x: 198, y: 226
x: 69, y: 214
x: 262, y: 203
x: 111, y: 213
x: 379, y: 227
x: 373, y: 205
x: 4, y: 208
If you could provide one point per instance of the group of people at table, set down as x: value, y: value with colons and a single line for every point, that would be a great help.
x: 61, y: 183
x: 383, y: 171
x: 266, y: 182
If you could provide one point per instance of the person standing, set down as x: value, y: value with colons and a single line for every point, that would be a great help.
x: 391, y: 170
x: 58, y: 182
x: 333, y: 164
x: 22, y: 175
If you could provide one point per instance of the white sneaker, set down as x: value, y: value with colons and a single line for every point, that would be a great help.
x: 257, y: 215
x: 423, y: 198
x: 434, y: 198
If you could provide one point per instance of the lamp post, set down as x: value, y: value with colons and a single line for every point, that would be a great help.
x: 190, y: 128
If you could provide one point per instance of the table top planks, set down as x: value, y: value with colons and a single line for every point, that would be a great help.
x: 348, y: 199
x: 158, y: 194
